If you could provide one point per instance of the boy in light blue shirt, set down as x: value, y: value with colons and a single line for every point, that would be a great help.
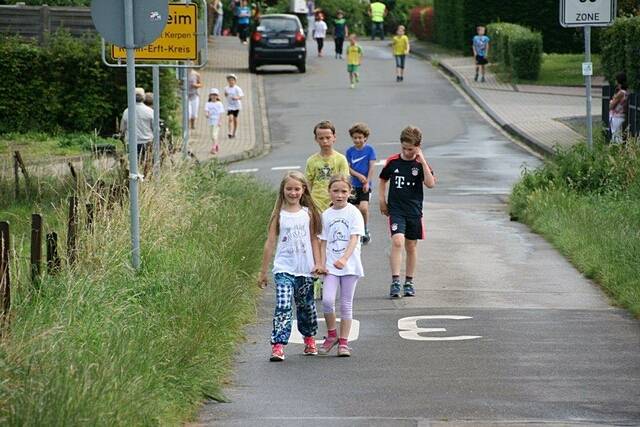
x: 480, y: 47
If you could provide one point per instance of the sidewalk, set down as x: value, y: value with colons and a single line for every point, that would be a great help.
x: 527, y: 111
x: 227, y: 55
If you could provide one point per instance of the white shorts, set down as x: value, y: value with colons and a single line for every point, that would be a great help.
x: 616, y: 128
x: 194, y: 104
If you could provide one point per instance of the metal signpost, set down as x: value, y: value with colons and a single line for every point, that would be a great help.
x: 587, y: 14
x: 132, y: 25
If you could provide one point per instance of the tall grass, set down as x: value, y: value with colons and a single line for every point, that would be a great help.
x: 587, y: 204
x: 103, y: 345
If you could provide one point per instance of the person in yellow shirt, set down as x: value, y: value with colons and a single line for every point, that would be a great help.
x: 377, y: 11
x: 323, y: 165
x: 400, y: 44
x: 354, y: 55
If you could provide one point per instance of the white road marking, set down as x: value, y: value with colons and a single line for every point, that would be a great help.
x: 244, y: 170
x: 296, y: 337
x: 410, y: 330
x: 380, y: 163
x: 284, y: 168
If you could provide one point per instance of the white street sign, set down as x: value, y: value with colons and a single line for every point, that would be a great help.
x: 579, y: 13
x: 587, y: 68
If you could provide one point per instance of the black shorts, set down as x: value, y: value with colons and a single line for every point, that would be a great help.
x: 233, y: 113
x: 481, y: 60
x: 358, y: 195
x: 411, y: 227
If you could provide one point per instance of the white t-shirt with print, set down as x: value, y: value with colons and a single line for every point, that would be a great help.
x: 214, y: 110
x: 338, y: 225
x: 230, y: 92
x: 320, y: 30
x: 294, y: 254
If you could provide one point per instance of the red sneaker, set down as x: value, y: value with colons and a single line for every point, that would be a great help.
x: 277, y: 353
x: 329, y: 343
x: 310, y: 348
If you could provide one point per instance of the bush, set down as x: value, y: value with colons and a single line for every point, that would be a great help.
x: 621, y: 50
x: 517, y: 50
x: 421, y: 22
x: 63, y: 86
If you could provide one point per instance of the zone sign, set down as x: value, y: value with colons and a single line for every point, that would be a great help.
x: 580, y: 13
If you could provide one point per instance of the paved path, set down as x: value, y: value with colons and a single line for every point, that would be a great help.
x: 529, y: 111
x: 544, y: 346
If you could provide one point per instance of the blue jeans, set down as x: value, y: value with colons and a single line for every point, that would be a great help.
x: 400, y: 61
x: 291, y: 288
x: 217, y: 28
x: 377, y: 28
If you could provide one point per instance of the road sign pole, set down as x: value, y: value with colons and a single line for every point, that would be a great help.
x: 156, y: 120
x: 131, y: 132
x: 185, y: 112
x: 587, y: 59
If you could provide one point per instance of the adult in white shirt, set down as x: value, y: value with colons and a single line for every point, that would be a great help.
x: 144, y: 125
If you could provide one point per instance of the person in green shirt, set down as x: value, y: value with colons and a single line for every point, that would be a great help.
x: 323, y: 165
x: 400, y: 45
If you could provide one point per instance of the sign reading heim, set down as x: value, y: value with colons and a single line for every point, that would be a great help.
x: 178, y: 41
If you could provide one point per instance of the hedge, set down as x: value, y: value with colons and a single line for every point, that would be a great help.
x: 421, y: 23
x: 516, y: 49
x: 621, y: 50
x: 64, y: 86
x: 456, y: 21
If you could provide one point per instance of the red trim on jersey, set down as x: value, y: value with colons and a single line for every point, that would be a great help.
x: 390, y: 159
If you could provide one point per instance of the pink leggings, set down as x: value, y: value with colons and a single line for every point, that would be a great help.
x: 347, y: 290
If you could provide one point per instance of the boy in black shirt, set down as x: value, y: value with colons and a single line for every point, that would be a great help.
x: 405, y: 174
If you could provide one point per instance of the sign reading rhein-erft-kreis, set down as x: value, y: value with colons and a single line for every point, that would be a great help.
x: 579, y: 13
x: 178, y: 41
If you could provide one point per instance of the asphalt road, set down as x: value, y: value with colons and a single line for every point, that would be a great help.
x: 521, y: 338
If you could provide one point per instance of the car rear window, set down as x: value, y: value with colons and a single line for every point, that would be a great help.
x: 277, y: 25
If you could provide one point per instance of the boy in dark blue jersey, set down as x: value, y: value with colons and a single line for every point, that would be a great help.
x: 404, y: 174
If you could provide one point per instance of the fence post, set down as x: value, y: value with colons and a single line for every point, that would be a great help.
x: 45, y: 23
x: 19, y: 163
x: 16, y: 176
x: 74, y: 174
x: 5, y: 281
x: 36, y: 247
x: 53, y: 260
x: 633, y: 118
x: 72, y: 230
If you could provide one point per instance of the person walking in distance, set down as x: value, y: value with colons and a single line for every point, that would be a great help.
x: 480, y: 46
x: 144, y: 126
x: 361, y: 158
x: 244, y: 18
x: 342, y: 229
x: 233, y: 94
x: 354, y: 57
x: 214, y: 110
x: 292, y: 233
x: 195, y: 83
x: 618, y: 106
x: 340, y: 31
x: 320, y: 32
x: 311, y: 17
x: 400, y: 45
x: 377, y: 11
x: 403, y: 176
x: 219, y: 15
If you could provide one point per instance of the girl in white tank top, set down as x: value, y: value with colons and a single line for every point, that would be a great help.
x: 293, y: 229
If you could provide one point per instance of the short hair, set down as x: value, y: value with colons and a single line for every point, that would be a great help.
x: 412, y: 135
x: 325, y: 124
x: 360, y: 128
x: 139, y: 97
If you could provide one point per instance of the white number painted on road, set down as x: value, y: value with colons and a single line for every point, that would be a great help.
x: 296, y: 337
x: 410, y: 330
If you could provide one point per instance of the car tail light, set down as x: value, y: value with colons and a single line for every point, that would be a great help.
x: 299, y: 37
x: 256, y: 36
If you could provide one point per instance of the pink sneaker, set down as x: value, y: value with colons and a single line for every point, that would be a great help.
x: 344, y: 351
x: 277, y: 353
x: 327, y: 345
x: 310, y: 348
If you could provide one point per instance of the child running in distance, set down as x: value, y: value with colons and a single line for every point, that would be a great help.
x: 213, y: 110
x: 293, y: 229
x: 234, y: 95
x: 342, y: 228
x: 354, y: 57
x: 361, y: 158
x: 400, y: 44
x: 404, y: 174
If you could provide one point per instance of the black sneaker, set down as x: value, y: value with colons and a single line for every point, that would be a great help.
x: 409, y: 290
x: 482, y: 79
x: 476, y: 77
x: 394, y: 290
x: 366, y: 238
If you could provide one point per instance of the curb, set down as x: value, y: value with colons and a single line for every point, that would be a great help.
x: 512, y: 130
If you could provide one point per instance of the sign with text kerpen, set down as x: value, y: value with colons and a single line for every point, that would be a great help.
x: 580, y: 13
x: 178, y: 41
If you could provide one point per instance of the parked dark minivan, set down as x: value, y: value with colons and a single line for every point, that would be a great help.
x: 278, y: 39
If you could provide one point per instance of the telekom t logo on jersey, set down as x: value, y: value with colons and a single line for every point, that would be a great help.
x: 399, y: 181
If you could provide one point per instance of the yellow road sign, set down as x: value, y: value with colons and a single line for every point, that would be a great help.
x: 178, y: 41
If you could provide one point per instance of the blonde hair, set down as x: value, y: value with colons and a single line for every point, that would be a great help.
x: 315, y: 225
x: 339, y: 178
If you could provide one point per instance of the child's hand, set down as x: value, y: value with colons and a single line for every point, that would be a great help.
x: 319, y: 270
x: 365, y: 186
x: 340, y: 263
x: 262, y: 280
x: 384, y: 209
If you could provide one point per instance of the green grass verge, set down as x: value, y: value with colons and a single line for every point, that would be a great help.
x: 564, y: 70
x: 37, y: 145
x: 587, y: 204
x: 102, y: 345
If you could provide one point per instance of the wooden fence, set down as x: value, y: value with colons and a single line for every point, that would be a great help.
x: 38, y: 21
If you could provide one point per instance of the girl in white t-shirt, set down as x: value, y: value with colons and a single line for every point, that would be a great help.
x: 342, y: 228
x: 320, y: 32
x: 213, y: 110
x: 293, y: 227
x: 234, y: 95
